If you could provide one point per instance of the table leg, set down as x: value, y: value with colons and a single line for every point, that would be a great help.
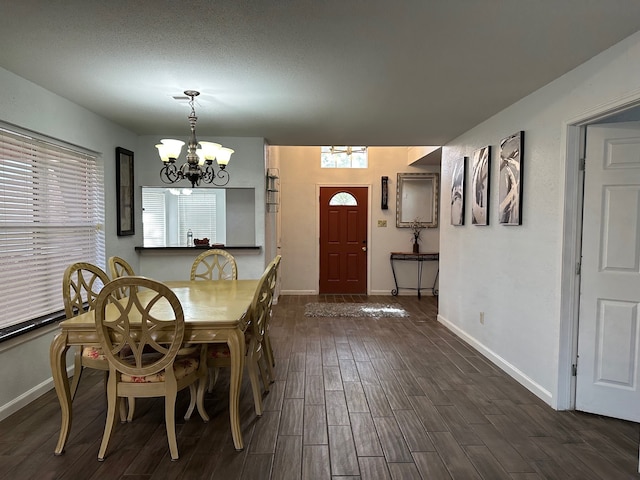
x: 57, y: 358
x: 235, y: 341
x: 394, y: 292
x: 419, y: 277
x: 435, y: 281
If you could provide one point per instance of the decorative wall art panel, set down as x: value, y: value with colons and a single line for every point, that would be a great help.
x: 480, y: 186
x: 457, y: 191
x: 510, y: 189
x: 125, y: 189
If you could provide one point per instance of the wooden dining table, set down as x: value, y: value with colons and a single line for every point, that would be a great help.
x: 215, y: 312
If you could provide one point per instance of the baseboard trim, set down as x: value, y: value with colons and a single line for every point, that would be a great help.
x: 534, y: 387
x: 29, y: 396
x: 298, y: 292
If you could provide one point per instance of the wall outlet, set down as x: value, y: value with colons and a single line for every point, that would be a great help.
x: 481, y: 318
x: 382, y: 223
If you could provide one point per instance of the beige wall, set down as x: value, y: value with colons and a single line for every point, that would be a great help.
x: 301, y: 177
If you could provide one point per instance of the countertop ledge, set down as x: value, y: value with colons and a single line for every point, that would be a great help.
x: 177, y: 249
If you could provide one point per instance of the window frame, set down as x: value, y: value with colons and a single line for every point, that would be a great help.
x: 51, y: 193
x: 337, y: 157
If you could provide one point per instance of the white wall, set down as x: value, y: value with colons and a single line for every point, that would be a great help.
x: 514, y: 274
x: 300, y: 177
x: 24, y: 362
x: 246, y: 168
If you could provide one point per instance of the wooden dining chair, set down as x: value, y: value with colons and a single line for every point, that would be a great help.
x: 81, y: 284
x: 119, y: 267
x: 266, y: 340
x: 149, y: 319
x: 214, y: 264
x: 219, y: 356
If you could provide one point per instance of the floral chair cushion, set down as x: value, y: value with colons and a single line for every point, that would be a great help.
x: 94, y: 353
x: 182, y: 367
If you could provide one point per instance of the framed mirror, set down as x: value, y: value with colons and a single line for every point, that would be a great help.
x: 417, y: 198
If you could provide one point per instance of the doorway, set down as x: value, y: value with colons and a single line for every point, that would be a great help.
x: 343, y: 240
x: 569, y: 361
x: 608, y: 334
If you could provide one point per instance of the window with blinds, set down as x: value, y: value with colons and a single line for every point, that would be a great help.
x: 198, y: 216
x: 154, y: 218
x: 51, y: 215
x: 169, y: 213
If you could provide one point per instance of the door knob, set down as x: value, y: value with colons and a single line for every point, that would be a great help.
x: 364, y: 249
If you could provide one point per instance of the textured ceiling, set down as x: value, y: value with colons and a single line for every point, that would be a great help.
x: 306, y: 72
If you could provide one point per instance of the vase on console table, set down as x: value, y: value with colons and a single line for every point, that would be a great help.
x: 416, y: 247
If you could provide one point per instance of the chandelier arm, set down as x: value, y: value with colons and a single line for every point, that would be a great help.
x: 207, y: 173
x: 224, y: 176
x: 170, y: 173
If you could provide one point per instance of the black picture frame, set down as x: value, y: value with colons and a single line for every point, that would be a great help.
x: 510, y: 190
x: 480, y: 185
x: 459, y: 174
x: 384, y: 197
x: 124, y: 191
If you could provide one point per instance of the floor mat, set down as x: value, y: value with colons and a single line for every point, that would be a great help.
x: 378, y: 310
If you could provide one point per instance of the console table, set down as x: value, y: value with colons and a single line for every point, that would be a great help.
x: 419, y: 258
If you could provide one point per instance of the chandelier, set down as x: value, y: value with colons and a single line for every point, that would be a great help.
x: 200, y: 156
x: 348, y: 150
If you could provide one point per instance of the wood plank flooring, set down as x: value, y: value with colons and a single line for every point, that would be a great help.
x: 353, y: 398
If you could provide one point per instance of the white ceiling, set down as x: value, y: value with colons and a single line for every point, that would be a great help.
x: 306, y: 72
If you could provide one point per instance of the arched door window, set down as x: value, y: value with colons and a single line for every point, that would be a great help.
x: 343, y: 198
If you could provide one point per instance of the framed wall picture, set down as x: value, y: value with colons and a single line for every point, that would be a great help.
x: 124, y: 188
x: 480, y: 186
x: 510, y: 189
x: 384, y: 193
x: 459, y: 174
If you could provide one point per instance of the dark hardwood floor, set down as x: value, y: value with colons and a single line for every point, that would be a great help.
x: 354, y: 398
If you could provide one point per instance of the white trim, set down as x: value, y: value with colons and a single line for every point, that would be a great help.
x: 569, y: 281
x: 603, y: 110
x: 29, y: 396
x: 298, y: 292
x: 508, y: 368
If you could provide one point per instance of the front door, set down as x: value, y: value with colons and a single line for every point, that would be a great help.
x: 608, y: 378
x: 343, y: 240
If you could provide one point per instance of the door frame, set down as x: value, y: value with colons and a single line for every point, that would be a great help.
x: 317, y: 213
x: 573, y: 143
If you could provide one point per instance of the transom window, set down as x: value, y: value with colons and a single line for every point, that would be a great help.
x: 343, y: 198
x: 343, y: 157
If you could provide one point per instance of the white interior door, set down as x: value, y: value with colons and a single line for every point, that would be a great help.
x: 608, y: 333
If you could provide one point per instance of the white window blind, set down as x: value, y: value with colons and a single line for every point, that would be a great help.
x: 51, y: 215
x: 197, y: 215
x: 154, y: 219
